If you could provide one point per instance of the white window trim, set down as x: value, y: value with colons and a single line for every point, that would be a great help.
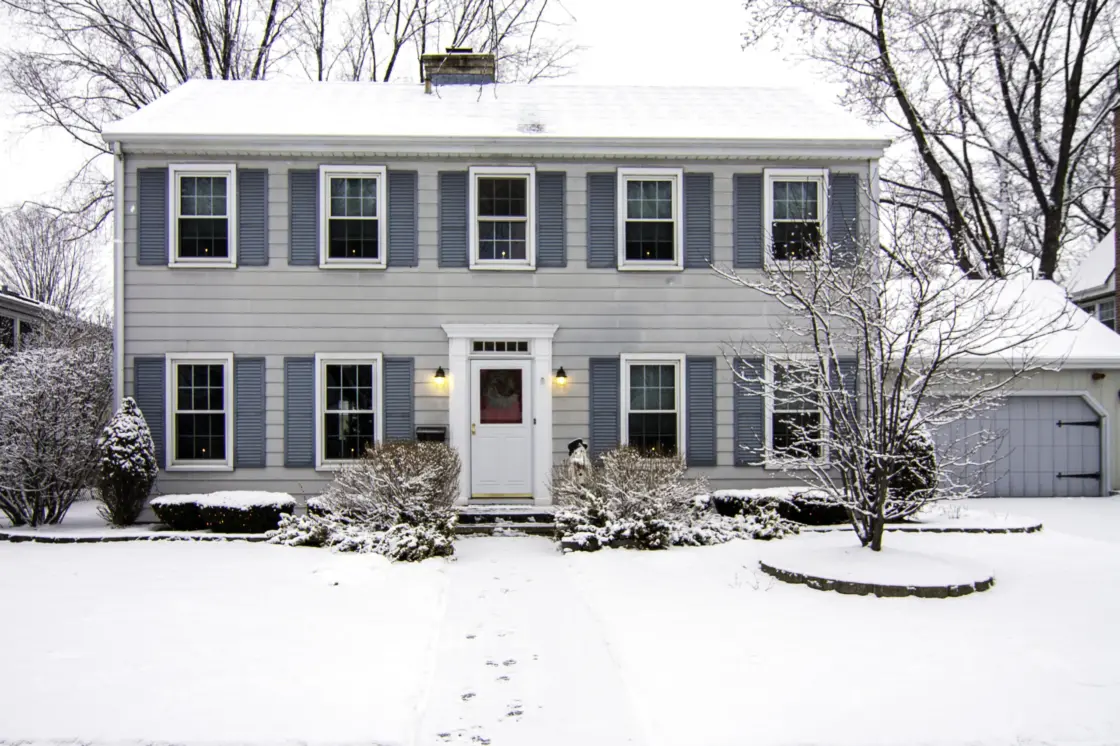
x: 508, y: 265
x: 770, y: 175
x: 768, y: 419
x: 322, y: 359
x: 195, y: 358
x: 624, y: 393
x: 326, y: 173
x: 178, y: 170
x: 674, y: 175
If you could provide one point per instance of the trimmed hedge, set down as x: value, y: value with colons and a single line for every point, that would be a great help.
x: 206, y: 513
x: 801, y: 509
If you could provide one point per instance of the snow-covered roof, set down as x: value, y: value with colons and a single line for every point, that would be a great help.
x: 1028, y: 321
x: 1096, y: 272
x: 279, y: 112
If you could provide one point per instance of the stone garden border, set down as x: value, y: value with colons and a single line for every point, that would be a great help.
x: 919, y: 529
x: 881, y: 590
x: 16, y: 538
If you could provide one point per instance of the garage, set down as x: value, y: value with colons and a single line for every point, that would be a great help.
x: 1047, y: 446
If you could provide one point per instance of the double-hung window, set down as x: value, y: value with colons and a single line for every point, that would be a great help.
x: 795, y: 213
x: 503, y: 217
x: 348, y: 418
x: 795, y: 421
x: 200, y: 391
x: 652, y: 416
x: 1105, y: 312
x: 204, y: 214
x: 353, y: 225
x: 650, y: 232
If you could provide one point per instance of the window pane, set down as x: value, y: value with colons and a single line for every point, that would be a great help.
x: 503, y: 196
x: 797, y: 434
x: 200, y: 437
x: 347, y: 436
x: 353, y: 197
x: 499, y: 396
x: 203, y: 196
x: 349, y: 387
x: 649, y: 200
x: 501, y: 240
x: 201, y: 238
x: 649, y: 241
x: 794, y: 389
x: 796, y: 241
x: 795, y: 200
x: 653, y: 387
x: 653, y: 433
x: 352, y: 239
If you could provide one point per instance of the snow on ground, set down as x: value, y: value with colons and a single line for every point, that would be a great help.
x: 233, y: 499
x: 515, y: 644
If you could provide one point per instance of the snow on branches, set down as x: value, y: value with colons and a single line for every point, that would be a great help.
x: 127, y: 466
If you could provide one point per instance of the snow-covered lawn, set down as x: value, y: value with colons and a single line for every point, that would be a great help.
x: 514, y: 644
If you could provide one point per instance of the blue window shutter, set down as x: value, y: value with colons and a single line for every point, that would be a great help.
x: 252, y: 217
x: 700, y: 411
x: 551, y: 226
x: 150, y: 392
x: 248, y: 412
x: 697, y: 220
x: 845, y: 374
x: 603, y: 402
x: 397, y: 390
x: 750, y: 427
x: 152, y: 205
x: 299, y: 411
x: 602, y: 193
x: 403, y: 216
x: 747, y: 234
x: 843, y: 218
x: 303, y: 217
x: 453, y: 215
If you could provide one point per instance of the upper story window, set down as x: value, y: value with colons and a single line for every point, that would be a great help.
x: 201, y: 422
x: 649, y: 216
x: 503, y: 219
x: 203, y: 226
x: 795, y: 213
x: 1103, y: 311
x: 651, y: 413
x: 353, y: 226
x: 348, y: 420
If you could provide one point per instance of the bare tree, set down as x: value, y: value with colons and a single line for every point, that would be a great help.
x: 878, y: 351
x: 48, y: 257
x: 1003, y: 104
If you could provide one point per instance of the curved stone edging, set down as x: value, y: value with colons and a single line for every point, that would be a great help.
x: 48, y: 539
x: 852, y: 587
x: 1031, y: 529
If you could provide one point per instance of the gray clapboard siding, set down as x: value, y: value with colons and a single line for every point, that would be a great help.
x: 404, y: 217
x: 552, y: 226
x: 602, y: 194
x: 152, y: 228
x: 149, y: 387
x: 843, y: 218
x: 700, y: 410
x: 453, y: 216
x: 749, y: 413
x: 747, y: 232
x: 605, y: 374
x: 248, y: 412
x: 697, y: 220
x: 299, y: 411
x: 252, y: 217
x: 397, y: 391
x: 303, y: 217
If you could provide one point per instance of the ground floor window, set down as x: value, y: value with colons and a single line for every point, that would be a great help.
x: 201, y: 421
x: 795, y: 421
x: 651, y: 412
x: 349, y: 407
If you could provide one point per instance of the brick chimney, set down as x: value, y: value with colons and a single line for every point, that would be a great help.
x: 458, y: 66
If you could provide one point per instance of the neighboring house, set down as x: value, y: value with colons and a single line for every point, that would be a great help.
x: 1092, y: 285
x: 306, y: 268
x: 18, y: 317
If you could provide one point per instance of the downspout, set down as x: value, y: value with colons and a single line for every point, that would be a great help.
x: 118, y: 273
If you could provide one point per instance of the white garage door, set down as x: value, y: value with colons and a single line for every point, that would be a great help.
x: 1050, y: 446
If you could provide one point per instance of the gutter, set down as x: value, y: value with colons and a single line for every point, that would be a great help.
x: 118, y: 273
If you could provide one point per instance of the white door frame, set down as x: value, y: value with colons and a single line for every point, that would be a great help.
x: 459, y: 337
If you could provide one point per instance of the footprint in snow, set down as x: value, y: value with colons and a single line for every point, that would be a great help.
x: 509, y: 662
x: 503, y: 678
x: 468, y: 696
x: 492, y: 663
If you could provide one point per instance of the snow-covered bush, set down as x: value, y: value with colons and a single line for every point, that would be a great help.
x: 225, y: 512
x: 127, y: 467
x: 398, y: 500
x: 706, y: 525
x: 626, y: 500
x: 54, y: 401
x: 912, y: 479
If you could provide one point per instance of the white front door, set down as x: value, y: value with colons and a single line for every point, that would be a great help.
x: 501, y: 429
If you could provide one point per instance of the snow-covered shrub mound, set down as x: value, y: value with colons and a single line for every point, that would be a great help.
x: 225, y: 512
x: 803, y: 505
x: 913, y: 475
x: 398, y: 500
x: 706, y: 524
x: 127, y: 467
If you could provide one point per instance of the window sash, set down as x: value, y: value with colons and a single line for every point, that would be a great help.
x: 332, y: 440
x: 782, y: 408
x: 374, y: 180
x: 180, y: 413
x: 660, y: 425
x: 492, y: 232
x: 207, y: 236
x: 649, y: 224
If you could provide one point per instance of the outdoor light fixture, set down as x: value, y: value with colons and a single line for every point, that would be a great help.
x: 440, y: 375
x: 561, y: 376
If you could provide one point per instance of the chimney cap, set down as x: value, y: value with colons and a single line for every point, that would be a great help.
x: 459, y: 50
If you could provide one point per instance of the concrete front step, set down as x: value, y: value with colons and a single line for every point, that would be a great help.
x: 498, y: 528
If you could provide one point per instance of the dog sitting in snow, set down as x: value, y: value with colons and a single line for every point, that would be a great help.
x: 578, y: 461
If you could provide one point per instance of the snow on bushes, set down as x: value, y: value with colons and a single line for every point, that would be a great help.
x: 913, y: 476
x: 127, y: 466
x: 55, y: 396
x: 397, y: 500
x: 802, y: 505
x: 639, y: 502
x: 225, y: 512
